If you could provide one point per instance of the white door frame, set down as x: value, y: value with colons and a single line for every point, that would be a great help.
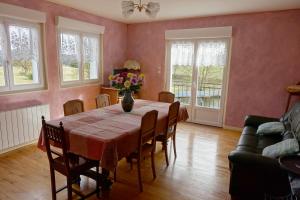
x: 198, y: 34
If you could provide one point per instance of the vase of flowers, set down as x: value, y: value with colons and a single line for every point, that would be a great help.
x: 127, y: 83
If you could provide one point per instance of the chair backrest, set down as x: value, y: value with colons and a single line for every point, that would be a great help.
x: 165, y: 96
x: 72, y: 107
x: 173, y: 117
x: 148, y: 128
x: 55, y: 138
x: 102, y: 100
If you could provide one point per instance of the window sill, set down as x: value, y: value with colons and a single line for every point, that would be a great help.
x: 80, y: 84
x: 23, y: 91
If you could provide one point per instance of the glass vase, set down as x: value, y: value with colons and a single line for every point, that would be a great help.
x: 127, y: 101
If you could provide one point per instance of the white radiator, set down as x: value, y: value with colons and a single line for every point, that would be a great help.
x: 21, y: 126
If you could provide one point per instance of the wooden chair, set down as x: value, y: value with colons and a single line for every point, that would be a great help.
x: 146, y: 144
x: 167, y: 97
x: 72, y: 107
x: 170, y: 131
x: 102, y: 100
x: 67, y: 164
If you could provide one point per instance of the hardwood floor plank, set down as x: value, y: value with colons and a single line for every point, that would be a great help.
x: 200, y: 171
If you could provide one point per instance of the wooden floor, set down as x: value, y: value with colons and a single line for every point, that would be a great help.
x: 200, y: 171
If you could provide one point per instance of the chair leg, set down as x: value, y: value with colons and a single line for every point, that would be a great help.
x: 53, y: 187
x: 153, y: 165
x: 69, y: 187
x: 97, y: 182
x: 139, y: 174
x: 115, y: 174
x: 174, y: 145
x: 129, y: 160
x: 166, y: 152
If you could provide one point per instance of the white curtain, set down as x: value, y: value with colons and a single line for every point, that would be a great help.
x: 2, y: 54
x: 212, y: 53
x: 182, y: 53
x: 35, y: 54
x: 70, y: 48
x: 209, y: 52
x: 2, y: 44
x: 91, y: 54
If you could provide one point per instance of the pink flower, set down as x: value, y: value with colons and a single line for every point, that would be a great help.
x: 119, y: 80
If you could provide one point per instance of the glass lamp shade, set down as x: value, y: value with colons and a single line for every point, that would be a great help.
x: 132, y: 64
x: 152, y: 9
x: 127, y: 8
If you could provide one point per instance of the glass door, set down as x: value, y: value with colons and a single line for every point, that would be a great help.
x: 198, y: 76
x: 182, y: 56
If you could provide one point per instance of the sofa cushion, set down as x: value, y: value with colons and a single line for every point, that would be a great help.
x: 297, y: 132
x: 288, y: 135
x: 295, y: 122
x: 270, y: 128
x: 290, y: 115
x: 282, y: 148
x: 264, y: 141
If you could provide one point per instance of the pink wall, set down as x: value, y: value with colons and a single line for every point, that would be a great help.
x: 115, y: 45
x: 265, y: 59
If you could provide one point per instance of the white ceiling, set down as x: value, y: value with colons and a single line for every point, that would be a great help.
x: 174, y: 9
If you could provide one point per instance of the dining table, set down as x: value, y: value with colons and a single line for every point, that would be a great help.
x: 109, y: 134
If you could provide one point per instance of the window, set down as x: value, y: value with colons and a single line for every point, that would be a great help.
x: 197, y: 64
x: 79, y: 57
x: 197, y: 70
x: 21, y: 63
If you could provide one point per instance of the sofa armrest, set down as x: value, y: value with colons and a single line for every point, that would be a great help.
x: 252, y: 159
x: 255, y: 174
x: 255, y: 121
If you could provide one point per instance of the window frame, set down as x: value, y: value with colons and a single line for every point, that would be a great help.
x: 10, y: 86
x: 81, y: 81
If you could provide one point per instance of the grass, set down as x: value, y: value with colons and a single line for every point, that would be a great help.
x: 70, y: 73
x: 212, y: 74
x: 19, y: 76
x: 209, y: 79
x: 2, y: 81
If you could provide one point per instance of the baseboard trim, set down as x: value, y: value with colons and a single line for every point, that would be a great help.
x: 18, y: 146
x: 232, y: 128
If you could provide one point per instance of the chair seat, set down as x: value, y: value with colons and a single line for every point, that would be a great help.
x: 161, y: 137
x: 77, y: 165
x: 146, y: 149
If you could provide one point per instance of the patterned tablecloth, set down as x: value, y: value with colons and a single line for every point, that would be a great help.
x: 109, y: 134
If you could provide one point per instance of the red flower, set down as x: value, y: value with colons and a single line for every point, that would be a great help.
x: 123, y: 74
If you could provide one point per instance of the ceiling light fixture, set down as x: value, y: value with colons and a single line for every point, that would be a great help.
x: 150, y: 8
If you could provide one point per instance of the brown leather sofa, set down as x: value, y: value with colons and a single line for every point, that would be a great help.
x: 253, y: 176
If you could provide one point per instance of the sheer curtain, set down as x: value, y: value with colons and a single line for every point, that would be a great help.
x: 2, y: 53
x: 70, y: 55
x: 210, y: 60
x: 211, y: 53
x: 196, y: 68
x: 182, y: 53
x: 91, y: 57
x: 181, y: 69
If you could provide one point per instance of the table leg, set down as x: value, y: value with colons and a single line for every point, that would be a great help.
x: 106, y: 182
